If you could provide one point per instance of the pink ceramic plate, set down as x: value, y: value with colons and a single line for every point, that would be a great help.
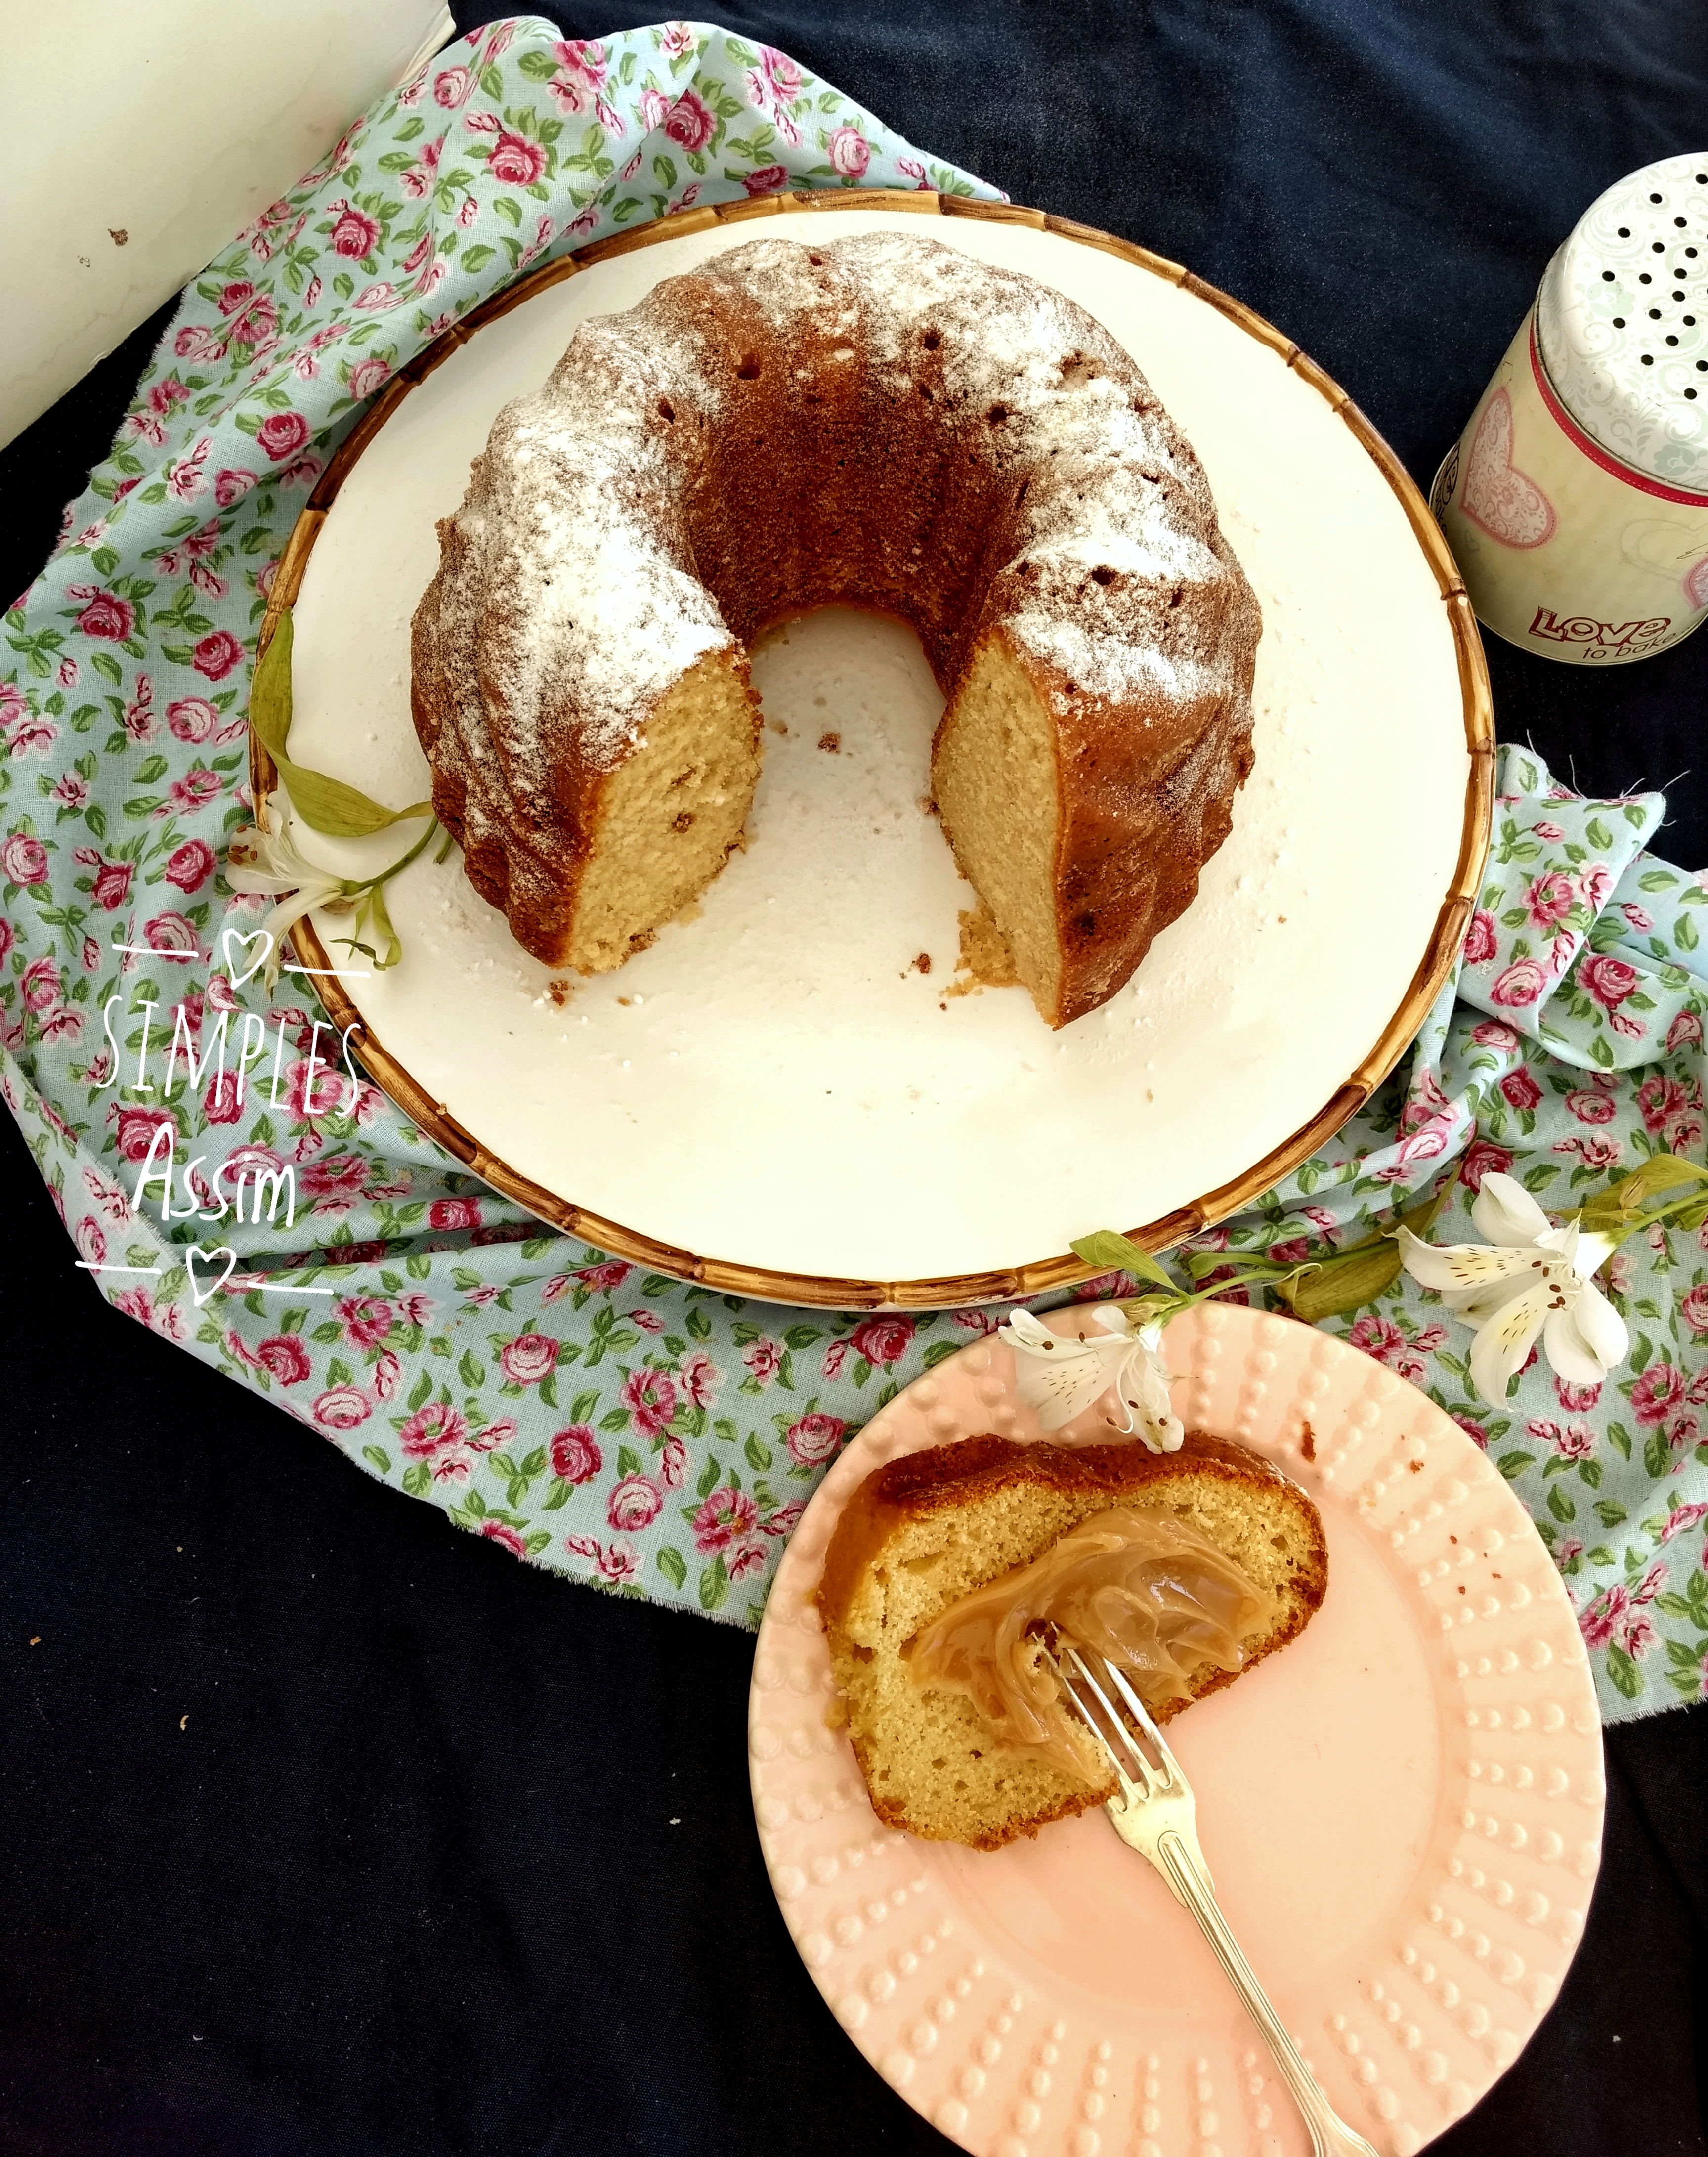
x: 1403, y: 1811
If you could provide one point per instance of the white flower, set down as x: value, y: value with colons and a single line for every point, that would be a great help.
x: 266, y: 864
x: 1529, y: 1278
x: 1058, y: 1376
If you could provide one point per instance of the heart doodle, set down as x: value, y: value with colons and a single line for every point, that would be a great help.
x: 263, y: 937
x: 1695, y: 582
x: 199, y: 1293
x: 1499, y: 499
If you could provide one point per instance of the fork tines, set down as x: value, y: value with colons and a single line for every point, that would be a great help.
x: 1130, y: 1738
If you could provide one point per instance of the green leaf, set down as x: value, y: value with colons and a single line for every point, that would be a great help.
x: 421, y: 1391
x: 671, y: 1564
x: 1512, y: 1465
x: 327, y: 806
x: 1626, y: 1677
x: 1560, y: 1506
x: 387, y: 944
x: 378, y: 1455
x: 708, y: 1479
x: 758, y: 1453
x: 1340, y: 1284
x: 1610, y: 1511
x: 1620, y: 1440
x: 471, y: 1372
x: 1111, y: 1253
x: 714, y: 1585
x: 1657, y: 1453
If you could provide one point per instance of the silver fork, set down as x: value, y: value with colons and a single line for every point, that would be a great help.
x: 1155, y: 1815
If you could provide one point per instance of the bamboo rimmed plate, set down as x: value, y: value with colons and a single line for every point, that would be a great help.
x: 1402, y: 1809
x: 777, y: 1099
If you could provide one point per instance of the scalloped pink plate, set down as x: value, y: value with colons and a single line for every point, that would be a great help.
x: 1402, y: 1810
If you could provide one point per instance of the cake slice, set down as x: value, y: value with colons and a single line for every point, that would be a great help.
x: 925, y: 1532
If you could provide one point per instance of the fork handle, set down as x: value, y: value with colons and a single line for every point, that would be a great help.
x: 1329, y: 2134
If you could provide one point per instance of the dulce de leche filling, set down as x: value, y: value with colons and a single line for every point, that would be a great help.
x: 1134, y: 1584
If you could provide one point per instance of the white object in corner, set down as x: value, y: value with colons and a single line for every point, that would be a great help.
x: 145, y: 141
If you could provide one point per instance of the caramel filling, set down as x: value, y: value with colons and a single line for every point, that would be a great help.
x: 1137, y: 1586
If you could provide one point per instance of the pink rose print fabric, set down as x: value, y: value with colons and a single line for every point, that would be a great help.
x: 1568, y: 1050
x: 631, y: 1432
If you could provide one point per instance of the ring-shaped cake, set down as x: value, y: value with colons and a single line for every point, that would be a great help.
x: 879, y: 421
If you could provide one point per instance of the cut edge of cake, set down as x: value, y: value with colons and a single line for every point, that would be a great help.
x: 929, y: 1527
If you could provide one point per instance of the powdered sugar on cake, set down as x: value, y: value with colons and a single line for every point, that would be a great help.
x: 878, y: 418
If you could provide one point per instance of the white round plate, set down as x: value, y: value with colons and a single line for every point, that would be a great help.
x: 1402, y: 1809
x: 777, y: 1083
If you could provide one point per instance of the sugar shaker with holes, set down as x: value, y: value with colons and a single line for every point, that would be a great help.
x: 1576, y: 501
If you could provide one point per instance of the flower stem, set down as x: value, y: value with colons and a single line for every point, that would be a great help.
x: 353, y: 888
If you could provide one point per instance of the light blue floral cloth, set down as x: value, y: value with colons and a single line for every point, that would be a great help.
x: 613, y: 1424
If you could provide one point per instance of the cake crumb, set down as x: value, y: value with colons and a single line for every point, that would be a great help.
x: 985, y: 961
x: 1416, y: 1467
x: 1307, y: 1444
x: 922, y: 964
x: 830, y: 744
x: 625, y: 1001
x: 560, y: 992
x: 35, y: 1639
x: 118, y: 235
x: 928, y: 804
x: 777, y: 727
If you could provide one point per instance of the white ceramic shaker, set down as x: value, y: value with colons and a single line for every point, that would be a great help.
x: 1576, y: 499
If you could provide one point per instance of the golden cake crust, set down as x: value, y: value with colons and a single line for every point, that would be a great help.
x: 882, y: 421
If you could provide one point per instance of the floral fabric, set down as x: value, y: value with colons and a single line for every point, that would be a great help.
x: 657, y: 1439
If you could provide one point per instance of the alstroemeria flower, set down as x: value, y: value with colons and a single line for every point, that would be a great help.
x: 266, y: 864
x: 1058, y: 1376
x: 1529, y: 1278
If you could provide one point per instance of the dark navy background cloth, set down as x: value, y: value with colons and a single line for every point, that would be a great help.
x: 379, y: 1843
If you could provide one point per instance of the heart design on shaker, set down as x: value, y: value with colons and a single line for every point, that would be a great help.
x: 199, y: 1293
x: 1695, y: 582
x: 1499, y: 499
x: 248, y: 938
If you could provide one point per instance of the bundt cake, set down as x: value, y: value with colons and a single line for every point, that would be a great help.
x: 882, y: 421
x: 1186, y: 1568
